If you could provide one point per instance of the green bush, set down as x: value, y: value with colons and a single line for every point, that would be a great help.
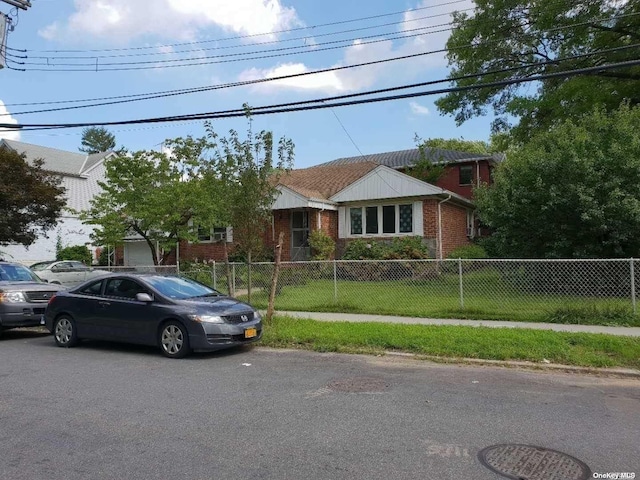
x: 407, y: 248
x: 78, y: 252
x: 322, y: 245
x: 468, y: 251
x: 360, y: 249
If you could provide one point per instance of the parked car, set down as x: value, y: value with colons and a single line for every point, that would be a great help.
x: 176, y: 314
x: 23, y: 296
x: 66, y: 272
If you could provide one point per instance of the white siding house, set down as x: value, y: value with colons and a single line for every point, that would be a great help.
x: 80, y: 175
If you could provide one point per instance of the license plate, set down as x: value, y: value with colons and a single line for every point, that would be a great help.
x: 250, y: 333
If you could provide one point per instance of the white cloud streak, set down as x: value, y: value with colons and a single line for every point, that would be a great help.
x: 418, y: 109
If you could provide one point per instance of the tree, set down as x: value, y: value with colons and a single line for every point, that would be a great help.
x: 522, y: 34
x: 572, y: 192
x: 249, y: 170
x: 97, y: 140
x: 460, y: 145
x: 31, y: 199
x: 160, y: 197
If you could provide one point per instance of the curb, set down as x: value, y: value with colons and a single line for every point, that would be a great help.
x: 556, y: 367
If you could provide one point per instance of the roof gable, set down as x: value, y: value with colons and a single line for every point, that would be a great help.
x: 384, y: 182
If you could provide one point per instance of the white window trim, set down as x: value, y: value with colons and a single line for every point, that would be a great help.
x: 379, y: 206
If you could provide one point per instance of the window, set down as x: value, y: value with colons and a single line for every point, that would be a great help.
x: 372, y: 220
x: 381, y: 220
x: 389, y: 219
x: 206, y: 235
x: 466, y: 174
x: 299, y: 219
x: 94, y: 289
x: 123, y: 288
x: 356, y: 221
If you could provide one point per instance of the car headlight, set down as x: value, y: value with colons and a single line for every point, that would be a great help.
x: 12, y: 297
x: 256, y: 315
x: 206, y: 318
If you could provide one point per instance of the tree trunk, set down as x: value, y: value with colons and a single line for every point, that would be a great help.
x: 227, y: 268
x: 249, y: 276
x: 274, y: 279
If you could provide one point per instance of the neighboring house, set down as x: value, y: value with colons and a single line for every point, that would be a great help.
x: 80, y: 175
x: 354, y: 200
x: 463, y: 171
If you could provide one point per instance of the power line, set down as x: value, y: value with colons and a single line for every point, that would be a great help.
x: 271, y: 42
x: 258, y: 81
x: 238, y: 57
x: 346, y: 131
x: 241, y: 37
x: 322, y: 103
x: 97, y: 68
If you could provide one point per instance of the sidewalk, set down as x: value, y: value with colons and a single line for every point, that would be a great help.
x: 354, y: 317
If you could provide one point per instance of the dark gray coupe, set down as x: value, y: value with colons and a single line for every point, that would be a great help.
x: 174, y: 313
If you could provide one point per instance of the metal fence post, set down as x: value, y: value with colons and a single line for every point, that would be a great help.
x: 633, y: 287
x: 461, y: 290
x: 335, y: 282
x: 213, y: 275
x: 233, y: 280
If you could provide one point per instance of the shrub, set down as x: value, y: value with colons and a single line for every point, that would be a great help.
x: 407, y: 248
x: 78, y: 252
x: 468, y: 251
x: 322, y: 245
x: 360, y: 249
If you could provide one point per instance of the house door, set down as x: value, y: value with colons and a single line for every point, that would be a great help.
x: 300, y: 250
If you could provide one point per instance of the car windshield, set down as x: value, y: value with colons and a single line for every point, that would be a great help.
x: 40, y: 266
x: 17, y: 273
x: 180, y: 288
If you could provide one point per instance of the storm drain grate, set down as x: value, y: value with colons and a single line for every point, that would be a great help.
x: 527, y: 462
x: 358, y: 385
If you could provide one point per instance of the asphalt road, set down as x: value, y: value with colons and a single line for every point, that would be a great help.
x: 105, y: 411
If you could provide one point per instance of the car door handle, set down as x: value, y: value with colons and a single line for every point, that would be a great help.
x: 104, y: 304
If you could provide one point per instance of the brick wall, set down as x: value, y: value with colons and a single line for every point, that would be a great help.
x: 450, y: 179
x: 454, y: 228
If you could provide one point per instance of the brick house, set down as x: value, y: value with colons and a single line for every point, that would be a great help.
x: 367, y: 197
x: 463, y: 171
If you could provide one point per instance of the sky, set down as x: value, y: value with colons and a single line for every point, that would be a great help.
x: 160, y: 32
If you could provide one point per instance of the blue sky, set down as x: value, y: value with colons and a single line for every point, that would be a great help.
x: 319, y: 137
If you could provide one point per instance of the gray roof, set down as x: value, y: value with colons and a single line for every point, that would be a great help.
x: 407, y: 158
x: 59, y: 161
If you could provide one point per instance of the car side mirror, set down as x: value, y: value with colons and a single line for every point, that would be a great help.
x: 144, y: 297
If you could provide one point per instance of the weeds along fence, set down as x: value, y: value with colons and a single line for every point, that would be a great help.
x: 535, y: 290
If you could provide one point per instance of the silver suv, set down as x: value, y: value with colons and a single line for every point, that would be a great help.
x: 23, y: 296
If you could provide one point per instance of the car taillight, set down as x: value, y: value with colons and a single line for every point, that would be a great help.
x: 51, y: 299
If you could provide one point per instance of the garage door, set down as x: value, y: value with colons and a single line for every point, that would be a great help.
x: 137, y: 254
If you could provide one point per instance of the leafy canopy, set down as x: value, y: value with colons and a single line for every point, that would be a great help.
x: 524, y: 33
x: 156, y: 195
x: 572, y: 192
x: 97, y: 140
x: 31, y: 199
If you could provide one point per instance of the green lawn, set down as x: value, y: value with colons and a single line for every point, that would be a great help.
x: 581, y: 349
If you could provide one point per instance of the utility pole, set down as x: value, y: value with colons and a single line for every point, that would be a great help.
x: 6, y: 26
x: 22, y: 4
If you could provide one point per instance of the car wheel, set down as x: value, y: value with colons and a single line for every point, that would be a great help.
x: 174, y: 340
x: 64, y: 332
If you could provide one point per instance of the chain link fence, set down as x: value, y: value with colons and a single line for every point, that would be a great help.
x: 565, y: 291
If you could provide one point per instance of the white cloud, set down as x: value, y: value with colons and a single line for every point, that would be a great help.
x: 418, y: 109
x: 349, y: 80
x: 5, y: 117
x: 122, y: 20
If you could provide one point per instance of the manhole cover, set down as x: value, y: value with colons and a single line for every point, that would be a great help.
x: 526, y: 462
x: 358, y: 385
